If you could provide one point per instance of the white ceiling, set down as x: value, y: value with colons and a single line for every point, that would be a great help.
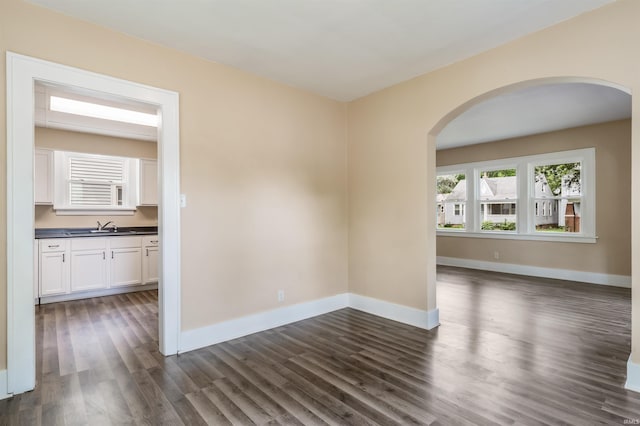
x: 346, y: 49
x: 536, y: 110
x: 342, y: 49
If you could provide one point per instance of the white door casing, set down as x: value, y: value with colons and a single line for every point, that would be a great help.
x: 22, y: 72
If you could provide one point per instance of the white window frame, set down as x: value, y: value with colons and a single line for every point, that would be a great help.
x: 492, y: 166
x: 62, y: 204
x: 525, y: 200
x: 453, y: 171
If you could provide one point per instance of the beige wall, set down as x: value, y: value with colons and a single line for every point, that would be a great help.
x: 392, y: 134
x: 612, y: 252
x: 263, y: 166
x: 63, y: 140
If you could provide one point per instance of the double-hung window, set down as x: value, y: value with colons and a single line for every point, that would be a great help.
x: 96, y: 183
x: 558, y: 190
x: 451, y: 198
x: 540, y: 197
x: 498, y: 199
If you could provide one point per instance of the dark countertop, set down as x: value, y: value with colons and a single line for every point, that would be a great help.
x: 86, y: 232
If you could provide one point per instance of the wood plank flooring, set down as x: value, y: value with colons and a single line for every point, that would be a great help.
x: 510, y: 351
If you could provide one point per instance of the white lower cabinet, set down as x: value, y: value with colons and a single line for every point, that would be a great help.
x: 53, y: 268
x: 88, y: 264
x: 150, y: 259
x: 126, y: 261
x: 73, y: 265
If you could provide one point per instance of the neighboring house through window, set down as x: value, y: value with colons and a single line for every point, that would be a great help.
x: 452, y: 197
x: 548, y: 196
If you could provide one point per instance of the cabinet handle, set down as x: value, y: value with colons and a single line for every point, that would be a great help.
x: 54, y: 246
x: 103, y: 256
x: 154, y: 241
x: 147, y: 252
x: 62, y: 257
x: 112, y: 254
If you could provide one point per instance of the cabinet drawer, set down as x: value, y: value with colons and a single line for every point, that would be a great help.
x: 150, y: 240
x: 53, y: 244
x: 125, y: 242
x: 91, y: 243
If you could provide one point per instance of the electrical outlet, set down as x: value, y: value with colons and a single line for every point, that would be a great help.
x: 280, y: 295
x: 496, y: 255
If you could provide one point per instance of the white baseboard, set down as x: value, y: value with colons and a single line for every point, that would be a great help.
x: 395, y: 312
x: 537, y: 271
x: 4, y: 385
x: 96, y: 293
x: 228, y: 330
x: 633, y: 376
x: 216, y: 333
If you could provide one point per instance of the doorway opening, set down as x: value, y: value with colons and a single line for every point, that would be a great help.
x: 22, y: 73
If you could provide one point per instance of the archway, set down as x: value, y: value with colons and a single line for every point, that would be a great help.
x: 602, y: 277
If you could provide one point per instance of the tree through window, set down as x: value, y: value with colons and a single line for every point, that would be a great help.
x: 558, y: 190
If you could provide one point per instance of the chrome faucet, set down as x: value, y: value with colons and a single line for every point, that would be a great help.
x: 102, y: 227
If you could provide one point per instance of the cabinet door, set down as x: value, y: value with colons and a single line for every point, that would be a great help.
x: 148, y: 181
x: 88, y: 270
x: 54, y: 273
x: 126, y: 266
x: 36, y: 271
x: 150, y: 265
x: 43, y: 176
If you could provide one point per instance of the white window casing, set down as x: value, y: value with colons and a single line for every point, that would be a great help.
x: 528, y: 207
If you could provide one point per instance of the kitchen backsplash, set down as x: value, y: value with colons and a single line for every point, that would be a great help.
x: 45, y: 217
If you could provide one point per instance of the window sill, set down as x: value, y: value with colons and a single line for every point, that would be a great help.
x: 76, y: 211
x: 514, y: 236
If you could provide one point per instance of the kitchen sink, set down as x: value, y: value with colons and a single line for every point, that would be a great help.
x: 78, y: 232
x: 99, y: 231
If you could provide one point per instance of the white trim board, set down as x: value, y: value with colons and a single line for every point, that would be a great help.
x: 633, y: 376
x: 21, y: 73
x: 537, y: 271
x: 395, y: 312
x: 3, y: 385
x: 232, y: 329
x: 243, y: 326
x: 96, y: 293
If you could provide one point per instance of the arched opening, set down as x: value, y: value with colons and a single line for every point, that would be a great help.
x: 507, y: 216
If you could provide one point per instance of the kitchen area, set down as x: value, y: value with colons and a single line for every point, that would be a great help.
x: 95, y: 196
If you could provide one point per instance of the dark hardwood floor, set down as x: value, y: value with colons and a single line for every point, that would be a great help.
x: 510, y: 351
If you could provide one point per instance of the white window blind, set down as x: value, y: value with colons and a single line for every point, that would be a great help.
x: 96, y: 181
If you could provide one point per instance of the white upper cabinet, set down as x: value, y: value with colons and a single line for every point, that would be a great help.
x: 43, y: 176
x: 148, y: 183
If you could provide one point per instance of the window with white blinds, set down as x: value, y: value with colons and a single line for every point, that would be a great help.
x: 96, y: 181
x: 94, y: 184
